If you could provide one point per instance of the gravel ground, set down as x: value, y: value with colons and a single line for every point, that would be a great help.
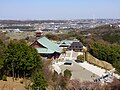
x: 79, y: 72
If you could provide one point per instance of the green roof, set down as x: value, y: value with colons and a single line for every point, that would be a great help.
x: 67, y: 42
x: 50, y: 46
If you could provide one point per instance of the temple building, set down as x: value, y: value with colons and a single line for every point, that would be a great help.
x: 47, y: 48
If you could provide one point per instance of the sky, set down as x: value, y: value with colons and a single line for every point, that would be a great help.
x: 59, y: 9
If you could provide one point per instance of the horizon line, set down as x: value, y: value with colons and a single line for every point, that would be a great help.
x: 59, y: 19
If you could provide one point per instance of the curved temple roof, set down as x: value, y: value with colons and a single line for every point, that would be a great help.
x: 50, y: 46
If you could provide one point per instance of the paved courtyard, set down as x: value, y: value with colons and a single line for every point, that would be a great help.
x: 70, y: 55
x: 79, y: 72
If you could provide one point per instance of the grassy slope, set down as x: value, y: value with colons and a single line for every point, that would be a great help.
x: 99, y: 63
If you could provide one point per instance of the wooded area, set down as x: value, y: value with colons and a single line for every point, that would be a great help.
x: 18, y: 60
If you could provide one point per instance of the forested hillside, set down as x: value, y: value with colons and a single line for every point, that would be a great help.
x: 18, y: 60
x: 104, y: 44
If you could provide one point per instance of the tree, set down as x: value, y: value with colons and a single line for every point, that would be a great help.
x: 2, y: 48
x: 67, y: 74
x: 21, y: 58
x: 107, y: 52
x: 39, y: 83
x: 117, y: 65
x: 63, y: 83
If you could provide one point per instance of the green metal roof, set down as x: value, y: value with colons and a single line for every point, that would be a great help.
x: 44, y: 50
x: 52, y: 47
x: 67, y: 42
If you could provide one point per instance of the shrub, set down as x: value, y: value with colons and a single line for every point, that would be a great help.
x: 67, y: 74
x: 21, y: 81
x: 63, y: 84
x: 80, y: 57
x: 39, y: 81
x: 4, y: 78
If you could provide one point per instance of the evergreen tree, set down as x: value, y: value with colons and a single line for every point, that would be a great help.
x: 39, y: 82
x: 21, y: 58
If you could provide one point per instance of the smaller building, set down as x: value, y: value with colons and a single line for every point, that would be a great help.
x: 66, y: 43
x: 38, y: 34
x: 76, y: 46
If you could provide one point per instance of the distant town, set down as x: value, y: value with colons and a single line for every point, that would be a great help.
x: 54, y: 26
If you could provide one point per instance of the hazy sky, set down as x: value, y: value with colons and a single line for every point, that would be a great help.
x: 59, y: 9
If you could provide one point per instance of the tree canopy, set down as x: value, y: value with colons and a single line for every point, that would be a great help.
x: 17, y: 59
x: 39, y: 82
x: 2, y: 49
x: 24, y: 59
x: 107, y: 52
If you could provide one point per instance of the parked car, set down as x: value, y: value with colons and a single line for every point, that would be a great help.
x: 79, y: 61
x: 68, y: 62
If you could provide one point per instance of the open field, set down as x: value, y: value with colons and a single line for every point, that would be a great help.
x: 21, y: 35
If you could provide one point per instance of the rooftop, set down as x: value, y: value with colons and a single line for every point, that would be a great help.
x: 50, y: 46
